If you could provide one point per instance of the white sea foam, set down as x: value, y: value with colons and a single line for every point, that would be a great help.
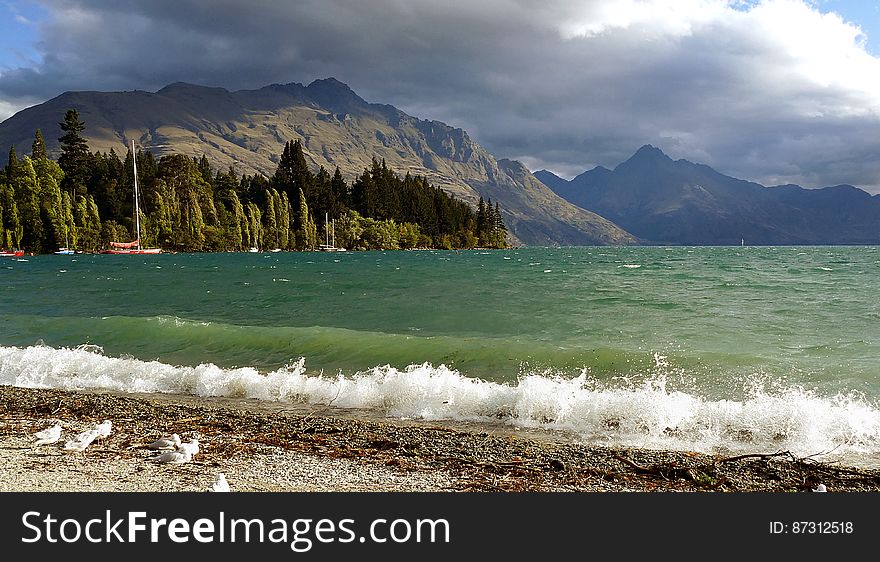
x: 645, y: 413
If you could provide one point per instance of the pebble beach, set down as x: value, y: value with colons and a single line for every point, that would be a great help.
x: 317, y: 451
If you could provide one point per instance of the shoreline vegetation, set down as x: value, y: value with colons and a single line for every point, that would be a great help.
x: 85, y: 200
x: 269, y: 448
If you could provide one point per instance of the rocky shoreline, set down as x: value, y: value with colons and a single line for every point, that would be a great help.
x: 315, y: 451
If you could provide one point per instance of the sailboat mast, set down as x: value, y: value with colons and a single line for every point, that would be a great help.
x: 137, y: 214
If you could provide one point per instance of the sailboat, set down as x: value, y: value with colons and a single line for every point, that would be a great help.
x: 329, y: 246
x: 133, y: 247
x: 65, y: 251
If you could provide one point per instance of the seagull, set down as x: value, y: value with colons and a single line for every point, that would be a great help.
x: 221, y: 485
x: 81, y: 441
x: 104, y: 429
x: 173, y: 457
x: 83, y: 434
x: 48, y: 435
x: 820, y: 488
x: 165, y: 443
x: 192, y: 447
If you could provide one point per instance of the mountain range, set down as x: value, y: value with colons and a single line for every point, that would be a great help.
x: 247, y: 129
x: 665, y: 201
x: 648, y: 199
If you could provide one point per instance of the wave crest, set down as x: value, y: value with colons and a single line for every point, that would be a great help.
x: 643, y: 413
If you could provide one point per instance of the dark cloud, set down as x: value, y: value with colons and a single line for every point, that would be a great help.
x: 563, y: 86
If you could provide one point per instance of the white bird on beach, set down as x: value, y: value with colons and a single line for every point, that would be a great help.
x: 172, y: 457
x: 83, y: 434
x: 221, y: 485
x: 192, y: 447
x: 81, y: 441
x: 165, y: 443
x: 48, y: 435
x: 104, y: 429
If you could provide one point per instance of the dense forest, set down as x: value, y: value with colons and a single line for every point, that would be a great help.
x: 85, y: 201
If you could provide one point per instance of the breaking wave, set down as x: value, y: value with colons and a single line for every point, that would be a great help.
x: 645, y: 412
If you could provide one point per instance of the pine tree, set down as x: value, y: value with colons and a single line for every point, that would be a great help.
x: 481, y: 220
x: 293, y: 172
x: 338, y: 194
x: 38, y: 149
x: 498, y: 229
x: 75, y: 156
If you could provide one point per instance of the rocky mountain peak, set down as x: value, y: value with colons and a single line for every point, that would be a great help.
x: 332, y: 94
x: 647, y: 155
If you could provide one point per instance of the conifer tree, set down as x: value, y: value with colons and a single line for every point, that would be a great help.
x: 293, y: 171
x: 338, y: 194
x: 244, y: 232
x: 255, y: 226
x: 500, y: 228
x: 38, y: 148
x: 75, y: 156
x: 69, y: 224
x: 307, y: 234
x: 270, y: 228
x: 481, y: 219
x: 282, y: 208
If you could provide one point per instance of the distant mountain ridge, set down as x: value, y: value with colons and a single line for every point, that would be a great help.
x: 248, y: 128
x: 665, y: 201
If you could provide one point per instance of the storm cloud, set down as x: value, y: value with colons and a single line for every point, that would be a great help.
x: 772, y: 91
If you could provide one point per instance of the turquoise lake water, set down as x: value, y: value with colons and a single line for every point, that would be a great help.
x: 705, y: 348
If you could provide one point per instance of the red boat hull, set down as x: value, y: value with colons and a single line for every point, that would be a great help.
x: 12, y: 254
x: 127, y: 252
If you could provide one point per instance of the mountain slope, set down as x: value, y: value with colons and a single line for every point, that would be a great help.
x: 248, y: 128
x: 678, y: 202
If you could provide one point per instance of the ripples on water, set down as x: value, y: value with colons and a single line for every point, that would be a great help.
x: 692, y: 347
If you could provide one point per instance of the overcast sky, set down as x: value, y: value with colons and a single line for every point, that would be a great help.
x: 775, y: 91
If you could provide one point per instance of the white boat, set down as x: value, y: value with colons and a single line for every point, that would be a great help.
x: 329, y: 231
x: 65, y: 251
x: 134, y: 247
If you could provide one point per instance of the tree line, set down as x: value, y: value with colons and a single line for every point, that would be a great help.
x: 85, y: 200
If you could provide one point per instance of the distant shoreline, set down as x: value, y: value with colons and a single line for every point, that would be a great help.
x: 480, y: 249
x: 312, y: 451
